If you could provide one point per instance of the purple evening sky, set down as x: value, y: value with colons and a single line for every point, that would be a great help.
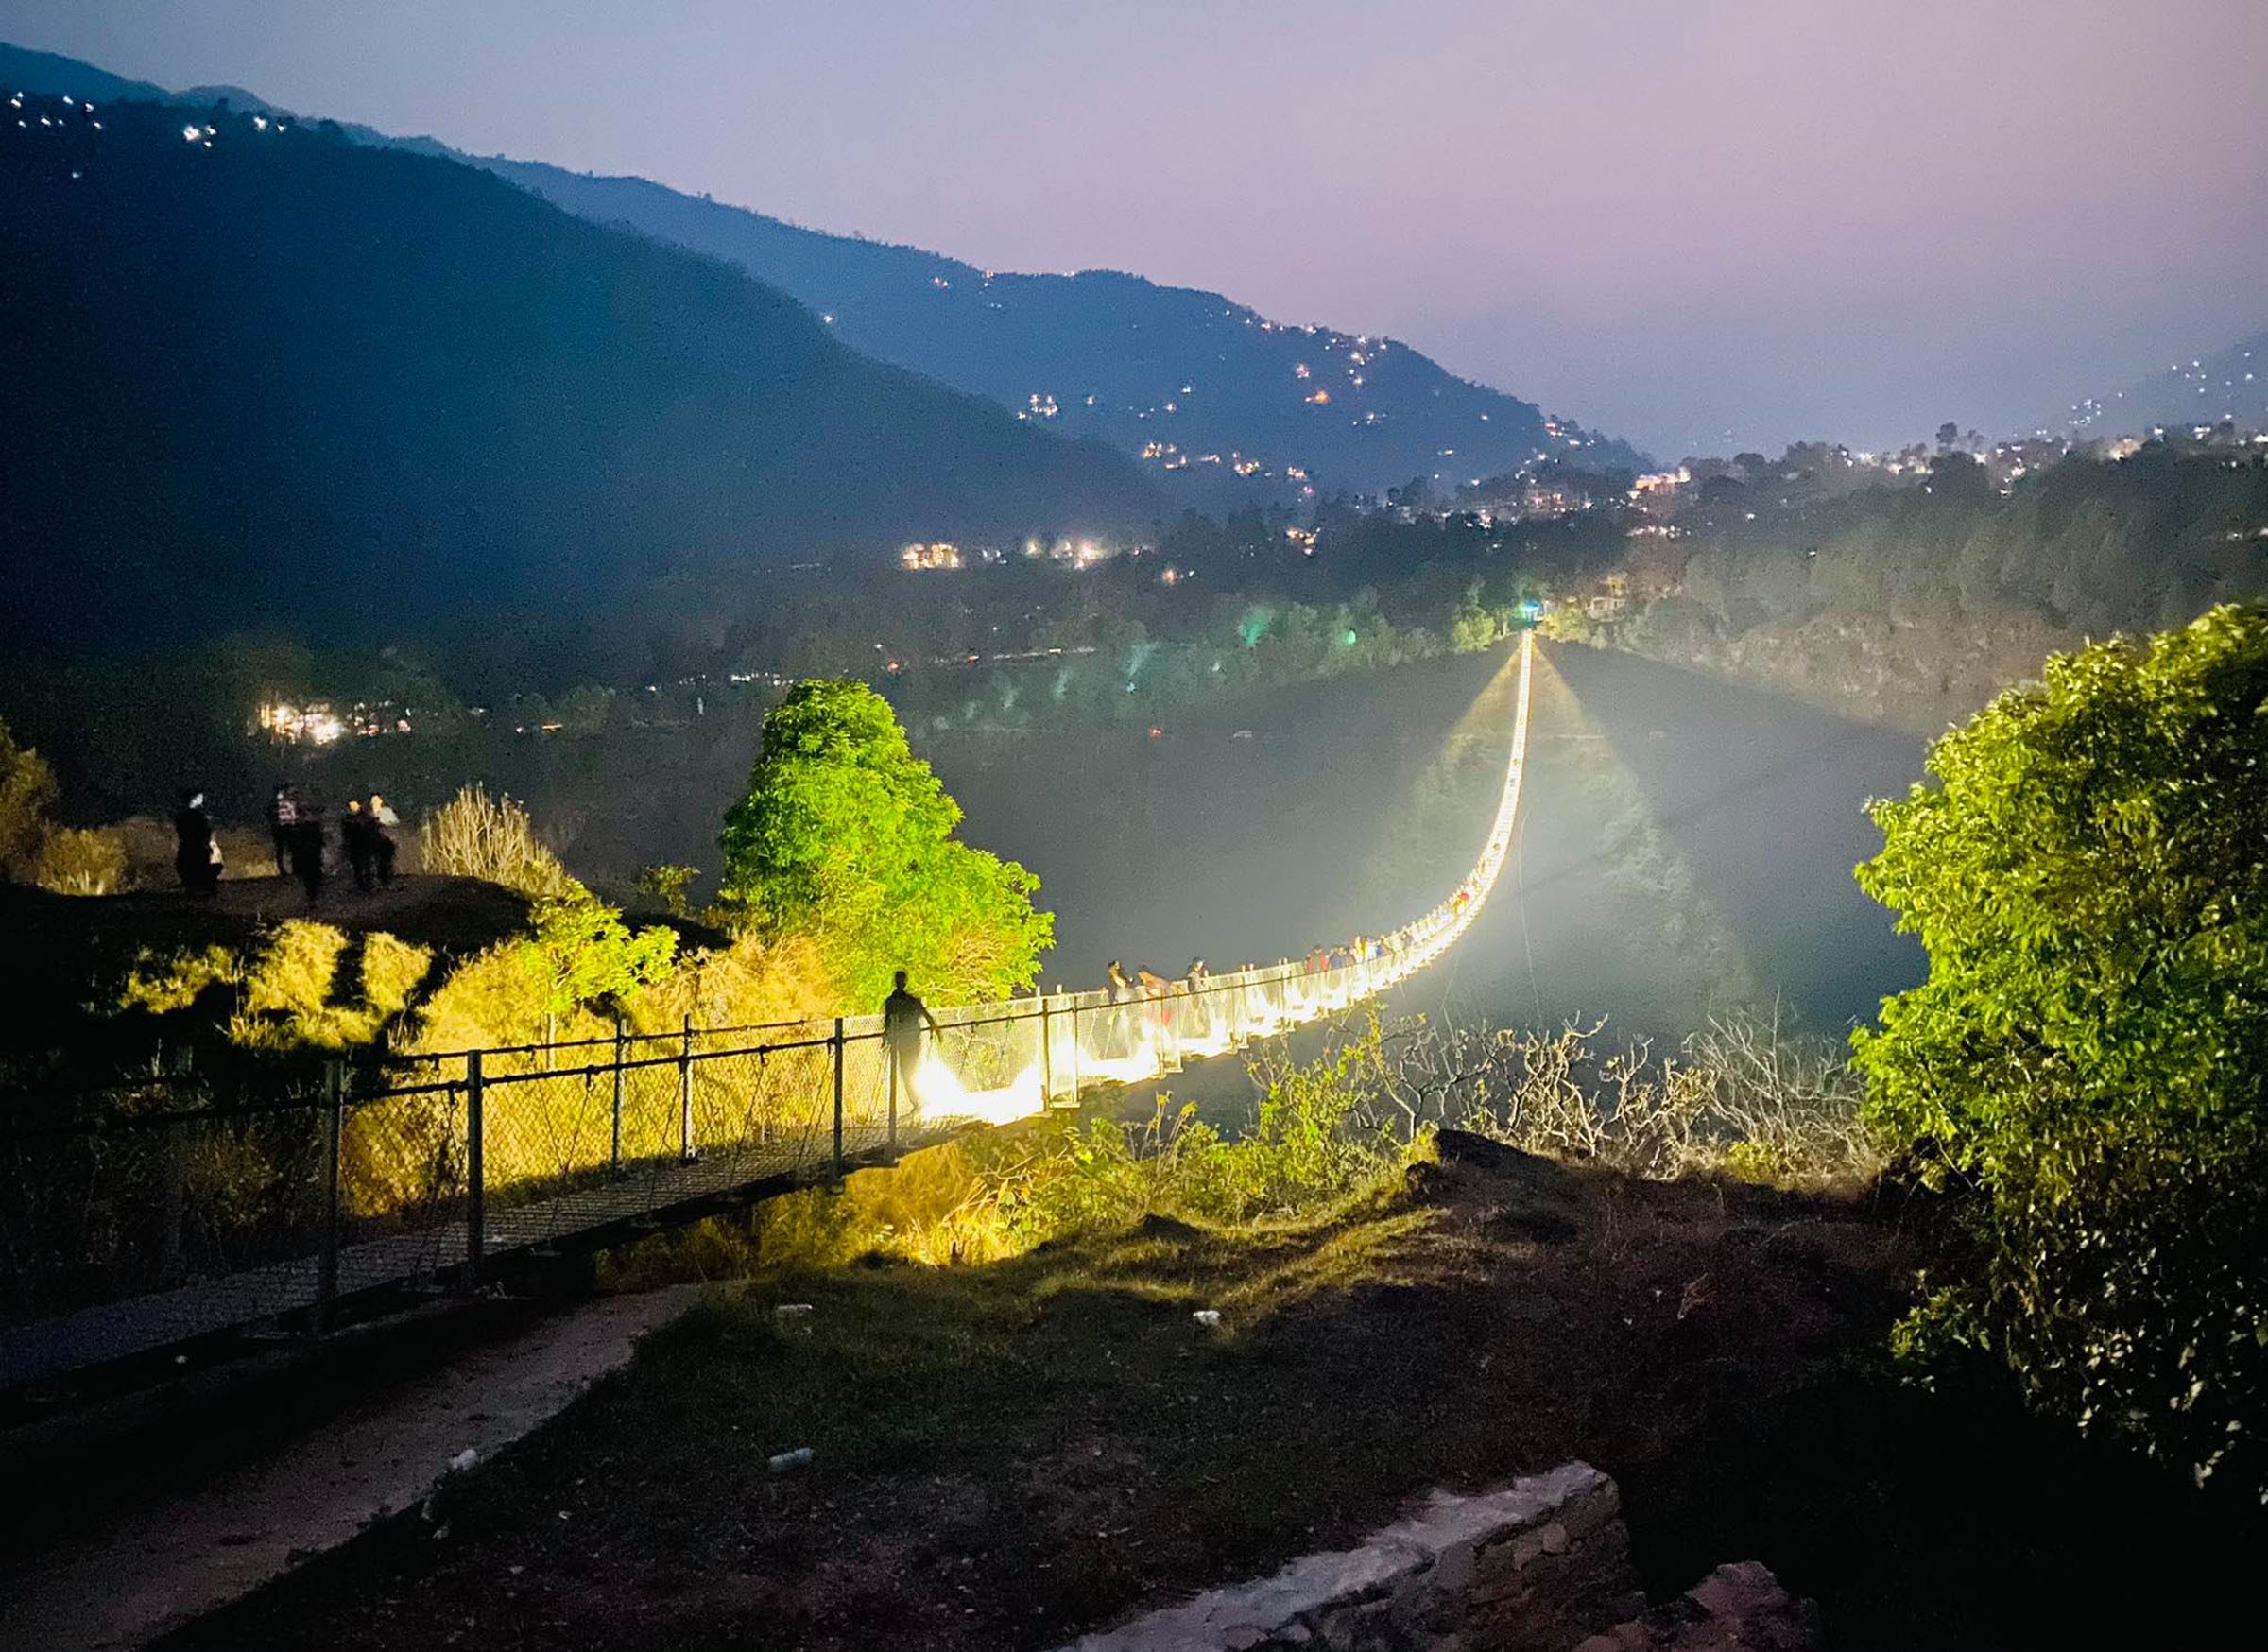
x: 1709, y: 224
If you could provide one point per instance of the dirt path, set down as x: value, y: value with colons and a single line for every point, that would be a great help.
x: 179, y: 1557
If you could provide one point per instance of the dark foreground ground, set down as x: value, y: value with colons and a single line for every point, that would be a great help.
x: 1009, y: 1455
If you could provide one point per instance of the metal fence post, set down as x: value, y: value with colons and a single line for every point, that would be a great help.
x: 685, y: 1092
x: 1047, y: 1052
x: 890, y: 1055
x: 838, y: 1097
x: 335, y: 1125
x: 614, y: 1157
x: 476, y: 1213
x: 1074, y: 1051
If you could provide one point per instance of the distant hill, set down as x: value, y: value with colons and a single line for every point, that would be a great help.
x: 253, y: 375
x: 1189, y: 378
x: 2228, y: 384
x: 1201, y: 387
x: 25, y: 70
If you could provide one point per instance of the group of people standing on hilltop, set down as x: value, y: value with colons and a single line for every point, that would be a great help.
x: 296, y: 824
x: 298, y: 827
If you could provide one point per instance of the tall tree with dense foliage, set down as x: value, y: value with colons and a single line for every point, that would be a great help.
x: 846, y: 836
x: 2089, y: 1053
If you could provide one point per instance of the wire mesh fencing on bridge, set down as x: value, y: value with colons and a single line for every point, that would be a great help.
x: 150, y: 1214
x: 159, y: 1212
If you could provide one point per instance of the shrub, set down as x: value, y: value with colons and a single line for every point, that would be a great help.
x: 74, y: 862
x: 2088, y: 1055
x: 583, y: 954
x: 745, y: 983
x: 490, y: 999
x: 149, y: 843
x: 27, y: 793
x: 299, y: 985
x: 668, y: 885
x: 475, y: 835
x: 1472, y: 627
x: 1741, y: 1097
x: 168, y: 983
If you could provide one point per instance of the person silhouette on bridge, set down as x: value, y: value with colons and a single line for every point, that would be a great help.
x: 903, y: 1018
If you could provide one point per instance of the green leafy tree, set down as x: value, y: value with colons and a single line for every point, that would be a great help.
x: 1471, y: 628
x: 846, y: 836
x: 583, y: 952
x: 2089, y: 1053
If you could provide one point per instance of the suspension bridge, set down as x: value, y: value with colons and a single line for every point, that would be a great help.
x: 155, y: 1226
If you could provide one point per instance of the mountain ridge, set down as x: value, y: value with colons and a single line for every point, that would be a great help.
x: 2227, y: 383
x: 260, y: 375
x: 1210, y: 392
x: 1353, y: 411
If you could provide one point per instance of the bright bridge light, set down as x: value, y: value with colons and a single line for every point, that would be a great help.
x: 1057, y: 1045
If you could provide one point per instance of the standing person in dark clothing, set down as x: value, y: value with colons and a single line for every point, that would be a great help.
x: 194, y: 853
x: 903, y: 1017
x: 307, y: 848
x: 282, y: 811
x: 381, y: 840
x: 354, y: 832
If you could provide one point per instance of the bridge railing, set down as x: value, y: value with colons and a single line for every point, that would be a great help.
x: 152, y: 1213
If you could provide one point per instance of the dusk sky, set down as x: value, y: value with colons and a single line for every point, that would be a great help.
x: 1699, y: 225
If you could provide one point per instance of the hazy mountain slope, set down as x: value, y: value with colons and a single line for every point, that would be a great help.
x: 273, y: 377
x: 1188, y: 372
x: 25, y: 70
x: 2228, y: 384
x: 1196, y: 383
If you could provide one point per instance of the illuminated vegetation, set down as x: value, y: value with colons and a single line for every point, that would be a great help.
x: 2088, y: 1058
x: 1739, y: 1100
x: 475, y: 835
x: 847, y: 837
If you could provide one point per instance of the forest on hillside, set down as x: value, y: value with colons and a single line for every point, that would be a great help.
x: 260, y: 377
x: 1913, y: 602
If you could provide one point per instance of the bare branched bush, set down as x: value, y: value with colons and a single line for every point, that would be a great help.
x: 1743, y: 1096
x: 475, y: 835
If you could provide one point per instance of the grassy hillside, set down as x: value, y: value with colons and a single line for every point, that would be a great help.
x: 1006, y: 1456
